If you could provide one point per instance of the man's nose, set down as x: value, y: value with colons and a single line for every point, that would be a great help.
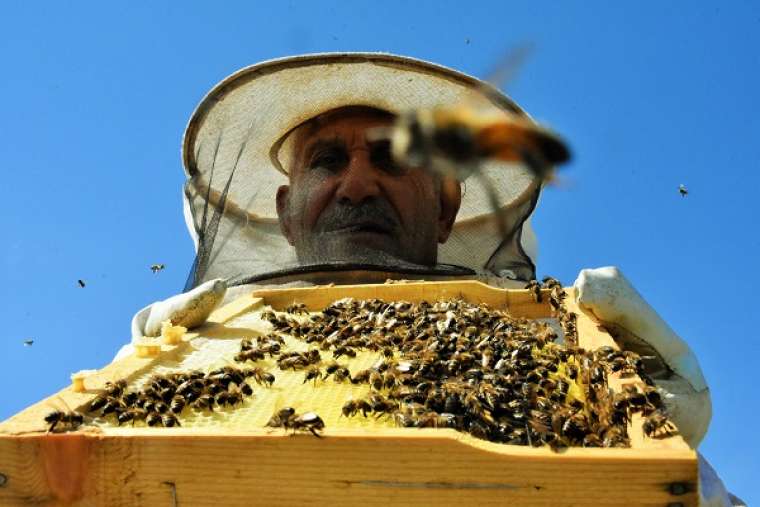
x: 359, y: 181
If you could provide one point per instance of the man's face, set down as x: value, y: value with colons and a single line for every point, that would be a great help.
x: 348, y: 200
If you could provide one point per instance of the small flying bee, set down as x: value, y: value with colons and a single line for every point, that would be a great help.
x: 155, y: 268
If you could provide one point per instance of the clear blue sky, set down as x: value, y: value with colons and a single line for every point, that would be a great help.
x: 95, y: 98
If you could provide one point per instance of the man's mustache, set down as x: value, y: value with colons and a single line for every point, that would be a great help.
x: 376, y: 213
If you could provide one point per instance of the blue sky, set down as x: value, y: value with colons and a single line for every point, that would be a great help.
x: 95, y: 98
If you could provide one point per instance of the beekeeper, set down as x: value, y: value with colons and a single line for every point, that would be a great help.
x: 287, y: 185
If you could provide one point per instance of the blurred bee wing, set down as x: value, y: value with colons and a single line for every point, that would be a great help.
x: 507, y: 68
x: 502, y: 73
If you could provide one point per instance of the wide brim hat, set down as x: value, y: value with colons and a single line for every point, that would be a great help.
x: 242, y: 124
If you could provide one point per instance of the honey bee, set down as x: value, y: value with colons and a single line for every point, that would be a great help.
x: 457, y: 139
x: 113, y: 405
x: 177, y: 404
x: 352, y: 406
x: 309, y: 421
x: 343, y: 351
x: 204, y: 402
x: 169, y: 420
x: 155, y: 268
x: 249, y: 355
x: 131, y: 414
x: 281, y: 418
x: 246, y: 389
x: 259, y: 375
x: 115, y: 389
x: 361, y: 377
x: 657, y: 425
x: 153, y: 419
x: 535, y: 289
x: 189, y: 385
x: 342, y: 374
x: 98, y: 402
x: 297, y: 308
x: 234, y: 395
x: 72, y: 419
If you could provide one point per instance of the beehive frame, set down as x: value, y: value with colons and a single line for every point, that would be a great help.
x: 402, y: 466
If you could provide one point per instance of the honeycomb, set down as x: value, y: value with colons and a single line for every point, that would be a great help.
x: 325, y: 397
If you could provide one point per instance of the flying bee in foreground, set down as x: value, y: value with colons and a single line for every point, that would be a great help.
x: 156, y: 267
x: 457, y: 140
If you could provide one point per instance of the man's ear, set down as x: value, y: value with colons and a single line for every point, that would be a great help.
x: 283, y: 212
x: 451, y: 198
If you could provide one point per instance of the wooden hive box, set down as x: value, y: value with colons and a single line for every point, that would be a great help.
x: 231, y: 460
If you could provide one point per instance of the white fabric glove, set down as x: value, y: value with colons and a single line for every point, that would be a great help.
x: 189, y: 309
x: 610, y: 298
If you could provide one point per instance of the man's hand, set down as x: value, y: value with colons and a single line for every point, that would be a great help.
x: 609, y: 297
x: 189, y: 309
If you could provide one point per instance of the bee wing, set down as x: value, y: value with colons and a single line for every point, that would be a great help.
x: 503, y: 72
x: 509, y: 65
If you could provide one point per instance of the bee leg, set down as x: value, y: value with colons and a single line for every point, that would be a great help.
x: 314, y: 432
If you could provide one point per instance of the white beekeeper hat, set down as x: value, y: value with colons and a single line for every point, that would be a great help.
x: 244, y: 120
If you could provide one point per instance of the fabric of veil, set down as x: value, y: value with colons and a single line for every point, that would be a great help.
x: 233, y: 171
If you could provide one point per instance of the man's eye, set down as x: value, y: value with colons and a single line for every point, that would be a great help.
x: 332, y: 160
x: 382, y: 158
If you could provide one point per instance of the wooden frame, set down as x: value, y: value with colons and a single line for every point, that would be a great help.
x: 173, y: 466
